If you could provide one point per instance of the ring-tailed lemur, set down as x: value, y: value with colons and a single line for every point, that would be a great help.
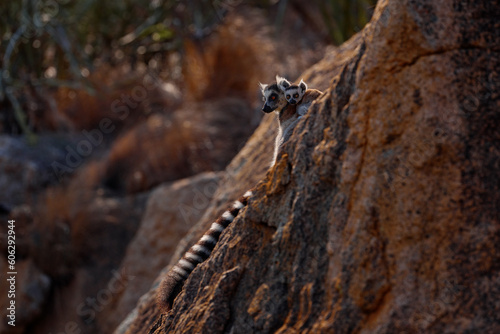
x: 274, y: 98
x: 172, y: 285
x: 298, y: 94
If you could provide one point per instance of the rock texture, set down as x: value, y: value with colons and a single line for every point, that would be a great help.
x: 382, y: 214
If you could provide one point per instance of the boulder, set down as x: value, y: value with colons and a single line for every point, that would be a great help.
x: 381, y: 215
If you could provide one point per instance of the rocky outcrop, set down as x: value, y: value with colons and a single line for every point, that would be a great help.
x: 382, y: 214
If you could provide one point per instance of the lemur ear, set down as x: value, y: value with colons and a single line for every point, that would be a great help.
x: 302, y: 85
x: 262, y: 87
x: 282, y: 83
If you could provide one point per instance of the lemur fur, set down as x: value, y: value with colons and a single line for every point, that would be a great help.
x: 172, y: 285
x: 274, y: 100
x: 299, y: 94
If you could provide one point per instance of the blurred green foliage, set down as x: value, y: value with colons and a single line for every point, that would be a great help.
x: 53, y: 43
x: 344, y: 18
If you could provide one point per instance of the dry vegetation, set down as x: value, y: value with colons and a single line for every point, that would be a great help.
x: 229, y: 63
x: 111, y: 90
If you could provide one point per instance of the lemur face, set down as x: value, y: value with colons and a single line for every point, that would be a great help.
x: 273, y: 98
x: 294, y: 94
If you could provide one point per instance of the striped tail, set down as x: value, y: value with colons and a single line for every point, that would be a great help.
x: 171, y: 285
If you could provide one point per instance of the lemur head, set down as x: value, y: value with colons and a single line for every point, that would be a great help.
x: 294, y: 93
x: 273, y: 98
x: 283, y: 83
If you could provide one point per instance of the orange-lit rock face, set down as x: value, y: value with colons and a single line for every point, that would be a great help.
x: 382, y: 215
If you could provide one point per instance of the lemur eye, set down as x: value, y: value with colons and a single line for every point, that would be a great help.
x: 273, y: 97
x: 288, y: 96
x: 296, y: 95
